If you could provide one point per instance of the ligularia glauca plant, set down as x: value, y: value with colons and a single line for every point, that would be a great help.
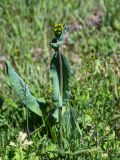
x: 60, y: 72
x: 60, y: 67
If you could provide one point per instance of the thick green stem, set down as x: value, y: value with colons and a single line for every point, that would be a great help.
x: 61, y: 74
x: 61, y: 95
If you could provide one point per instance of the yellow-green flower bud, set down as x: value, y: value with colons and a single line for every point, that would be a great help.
x: 58, y: 28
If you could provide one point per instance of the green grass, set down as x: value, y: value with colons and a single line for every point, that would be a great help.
x: 26, y: 29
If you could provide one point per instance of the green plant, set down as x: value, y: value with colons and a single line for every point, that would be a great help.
x: 60, y: 72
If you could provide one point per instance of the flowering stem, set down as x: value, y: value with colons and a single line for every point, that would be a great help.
x: 61, y: 94
x: 61, y: 74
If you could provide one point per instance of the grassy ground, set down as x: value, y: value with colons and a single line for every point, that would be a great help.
x: 92, y: 47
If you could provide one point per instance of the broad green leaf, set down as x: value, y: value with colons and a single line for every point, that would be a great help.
x: 22, y: 90
x: 66, y: 72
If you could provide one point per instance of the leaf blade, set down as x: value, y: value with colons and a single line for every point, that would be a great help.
x: 22, y: 90
x: 55, y: 72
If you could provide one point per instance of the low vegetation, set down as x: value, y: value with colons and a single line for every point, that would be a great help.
x: 59, y: 84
